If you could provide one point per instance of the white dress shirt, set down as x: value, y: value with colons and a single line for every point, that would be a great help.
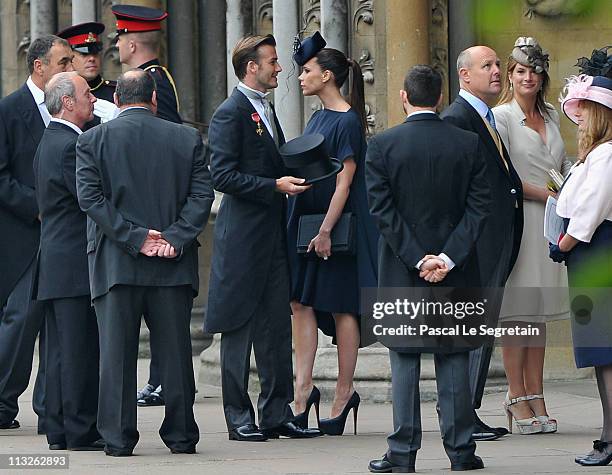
x: 481, y: 107
x: 39, y: 98
x: 586, y: 197
x: 258, y: 105
x: 69, y: 124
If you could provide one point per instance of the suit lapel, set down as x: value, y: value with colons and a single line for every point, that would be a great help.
x: 31, y: 115
x: 481, y: 129
x: 245, y: 104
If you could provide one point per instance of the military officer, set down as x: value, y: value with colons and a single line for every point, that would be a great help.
x: 86, y: 42
x: 138, y: 40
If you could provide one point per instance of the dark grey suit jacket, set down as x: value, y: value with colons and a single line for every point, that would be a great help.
x: 244, y: 166
x: 62, y: 258
x: 135, y: 173
x: 21, y: 128
x: 500, y: 240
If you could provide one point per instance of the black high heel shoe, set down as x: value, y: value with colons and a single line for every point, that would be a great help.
x: 301, y: 420
x: 335, y: 425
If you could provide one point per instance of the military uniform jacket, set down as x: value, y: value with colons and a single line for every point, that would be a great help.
x: 252, y: 216
x: 62, y: 258
x: 500, y: 240
x: 102, y: 89
x: 167, y: 95
x: 21, y: 128
x: 139, y: 172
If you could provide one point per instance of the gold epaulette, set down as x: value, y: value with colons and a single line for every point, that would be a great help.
x: 170, y: 78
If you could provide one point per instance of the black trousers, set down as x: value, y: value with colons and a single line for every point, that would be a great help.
x: 21, y: 321
x: 456, y: 415
x: 119, y: 313
x: 268, y: 333
x: 72, y: 373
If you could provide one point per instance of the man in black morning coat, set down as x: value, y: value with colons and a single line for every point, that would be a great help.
x: 23, y: 118
x: 429, y: 196
x: 248, y: 299
x: 145, y: 187
x: 498, y: 246
x: 62, y: 280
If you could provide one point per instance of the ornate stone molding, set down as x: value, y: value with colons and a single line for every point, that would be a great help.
x: 366, y: 62
x: 364, y: 13
x: 438, y: 38
x: 370, y: 119
x: 264, y: 12
x: 312, y: 14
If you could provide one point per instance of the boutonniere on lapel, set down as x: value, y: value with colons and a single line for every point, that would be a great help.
x: 255, y: 117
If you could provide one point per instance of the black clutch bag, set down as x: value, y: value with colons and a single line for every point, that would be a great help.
x: 342, y: 236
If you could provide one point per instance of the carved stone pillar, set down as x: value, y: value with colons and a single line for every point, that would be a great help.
x: 461, y: 35
x: 43, y: 18
x: 182, y: 54
x: 407, y: 23
x: 83, y: 11
x: 213, y: 73
x: 287, y: 96
x: 334, y: 24
x: 239, y: 18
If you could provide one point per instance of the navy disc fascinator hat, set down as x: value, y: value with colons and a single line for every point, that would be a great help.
x: 308, y: 48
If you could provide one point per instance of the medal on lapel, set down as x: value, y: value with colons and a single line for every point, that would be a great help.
x: 255, y: 117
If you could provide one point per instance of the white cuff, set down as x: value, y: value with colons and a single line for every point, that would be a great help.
x: 419, y: 264
x: 448, y: 261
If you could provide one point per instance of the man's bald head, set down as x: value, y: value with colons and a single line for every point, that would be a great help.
x: 479, y: 73
x: 135, y: 86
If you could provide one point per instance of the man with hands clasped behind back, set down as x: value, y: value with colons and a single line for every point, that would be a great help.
x: 425, y: 239
x: 143, y: 256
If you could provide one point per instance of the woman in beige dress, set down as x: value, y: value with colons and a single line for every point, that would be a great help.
x: 536, y: 289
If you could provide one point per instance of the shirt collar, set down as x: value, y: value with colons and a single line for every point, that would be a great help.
x: 263, y: 95
x: 419, y: 112
x: 67, y: 123
x: 37, y: 93
x: 134, y: 107
x: 481, y: 107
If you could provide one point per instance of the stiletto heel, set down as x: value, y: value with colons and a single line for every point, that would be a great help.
x: 301, y: 420
x: 355, y: 419
x: 335, y: 425
x: 549, y: 425
x: 531, y: 425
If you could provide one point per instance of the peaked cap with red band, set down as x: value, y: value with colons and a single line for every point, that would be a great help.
x: 84, y: 37
x: 137, y: 19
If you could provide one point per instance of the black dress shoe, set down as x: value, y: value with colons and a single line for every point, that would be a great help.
x: 501, y: 431
x: 383, y: 465
x: 474, y: 464
x: 247, y: 433
x: 96, y: 446
x: 14, y: 424
x: 289, y: 429
x: 118, y: 452
x: 189, y: 450
x: 156, y: 398
x: 60, y: 446
x: 600, y: 455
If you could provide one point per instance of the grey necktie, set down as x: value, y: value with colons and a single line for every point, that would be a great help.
x: 268, y: 112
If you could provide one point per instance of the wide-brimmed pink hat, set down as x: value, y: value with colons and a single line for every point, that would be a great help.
x: 580, y: 88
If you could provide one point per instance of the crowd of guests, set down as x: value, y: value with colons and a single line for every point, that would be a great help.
x: 102, y: 203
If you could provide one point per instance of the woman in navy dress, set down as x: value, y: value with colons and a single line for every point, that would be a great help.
x: 325, y: 287
x: 585, y: 203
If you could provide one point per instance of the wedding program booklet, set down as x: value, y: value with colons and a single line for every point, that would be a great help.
x: 553, y: 224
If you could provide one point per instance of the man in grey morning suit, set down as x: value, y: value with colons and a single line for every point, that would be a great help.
x: 248, y: 300
x: 428, y: 193
x: 145, y: 187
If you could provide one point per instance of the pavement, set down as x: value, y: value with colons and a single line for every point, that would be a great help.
x: 573, y: 403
